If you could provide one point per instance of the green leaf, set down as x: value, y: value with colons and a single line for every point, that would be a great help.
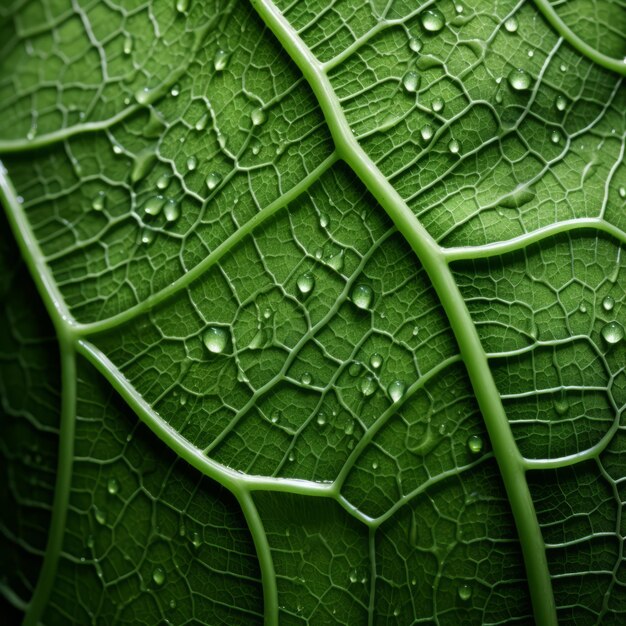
x: 312, y: 312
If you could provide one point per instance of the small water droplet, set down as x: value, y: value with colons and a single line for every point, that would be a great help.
x: 349, y: 428
x: 220, y: 60
x: 432, y: 20
x: 560, y: 103
x: 362, y: 296
x: 608, y: 303
x: 622, y: 192
x: 519, y: 79
x: 555, y: 137
x: 353, y: 576
x: 396, y: 612
x: 215, y: 339
x: 465, y: 592
x: 100, y: 515
x: 613, y: 332
x: 291, y: 456
x: 561, y: 406
x: 213, y: 180
x: 427, y: 132
x: 144, y: 162
x: 475, y: 444
x: 201, y: 124
x: 396, y: 390
x: 192, y: 163
x: 171, y: 210
x: 163, y: 181
x: 336, y: 261
x: 563, y: 67
x: 90, y: 541
x: 143, y: 96
x: 442, y: 429
x: 511, y: 24
x: 437, y: 105
x: 182, y: 6
x: 305, y: 283
x: 376, y: 360
x: 127, y: 47
x: 355, y: 368
x: 582, y: 308
x: 113, y: 486
x: 172, y: 604
x: 154, y: 205
x: 367, y: 386
x: 411, y: 82
x: 196, y: 540
x: 454, y: 146
x: 415, y: 44
x: 175, y: 90
x: 275, y: 417
x: 321, y: 419
x: 99, y: 201
x: 158, y: 576
x: 324, y: 220
x: 258, y: 117
x: 306, y: 378
x: 374, y: 465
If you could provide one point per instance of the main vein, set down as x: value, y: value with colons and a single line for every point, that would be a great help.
x: 433, y: 260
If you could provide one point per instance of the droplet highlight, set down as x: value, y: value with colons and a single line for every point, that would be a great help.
x: 215, y: 339
x: 432, y: 20
x: 362, y: 296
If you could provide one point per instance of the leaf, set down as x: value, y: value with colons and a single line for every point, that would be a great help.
x: 315, y: 312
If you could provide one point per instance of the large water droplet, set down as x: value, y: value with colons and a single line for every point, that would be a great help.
x: 437, y: 105
x: 143, y: 96
x: 158, y: 576
x: 368, y: 386
x: 427, y: 132
x: 376, y: 360
x: 99, y: 201
x: 519, y: 79
x: 613, y: 332
x: 113, y: 486
x: 213, y: 180
x: 336, y: 261
x: 355, y: 368
x: 182, y: 6
x: 432, y: 20
x: 454, y: 146
x: 362, y: 296
x: 220, y: 60
x: 475, y: 444
x: 306, y: 378
x: 396, y: 390
x: 215, y: 339
x: 154, y: 205
x: 305, y: 283
x: 511, y: 24
x: 163, y: 181
x: 411, y: 81
x: 465, y: 592
x: 608, y: 303
x: 258, y: 117
x: 171, y: 210
x: 192, y: 163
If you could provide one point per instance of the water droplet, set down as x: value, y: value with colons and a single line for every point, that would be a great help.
x: 258, y: 117
x: 143, y: 96
x: 432, y: 20
x: 90, y: 541
x: 427, y: 132
x: 396, y: 612
x: 511, y: 24
x: 158, y: 576
x: 622, y: 192
x: 267, y: 313
x: 465, y: 592
x: 154, y: 205
x: 376, y: 360
x: 335, y: 261
x: 437, y: 105
x: 368, y: 386
x: 147, y: 236
x: 175, y: 90
x: 291, y: 456
x: 99, y: 201
x: 192, y: 163
x: 213, y: 180
x: 415, y: 44
x: 196, y: 540
x: 353, y: 576
x: 215, y: 339
x: 454, y: 146
x: 561, y: 406
x: 349, y: 428
x: 563, y: 67
x: 362, y: 296
x: 163, y: 181
x: 321, y: 419
x: 182, y: 6
x: 396, y: 390
x: 519, y: 79
x: 100, y: 515
x: 374, y: 465
x: 275, y: 417
x: 442, y: 429
x: 475, y: 444
x: 127, y: 48
x: 608, y: 303
x: 411, y: 81
x: 415, y: 331
x: 220, y: 60
x: 613, y: 332
x: 583, y: 307
x: 306, y: 378
x: 305, y: 283
x: 172, y: 604
x: 555, y: 137
x: 144, y: 161
x: 355, y: 368
x: 171, y: 210
x: 560, y: 103
x: 324, y: 220
x: 113, y: 486
x: 201, y: 124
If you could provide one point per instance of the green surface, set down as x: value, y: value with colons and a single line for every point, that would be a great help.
x: 330, y: 314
